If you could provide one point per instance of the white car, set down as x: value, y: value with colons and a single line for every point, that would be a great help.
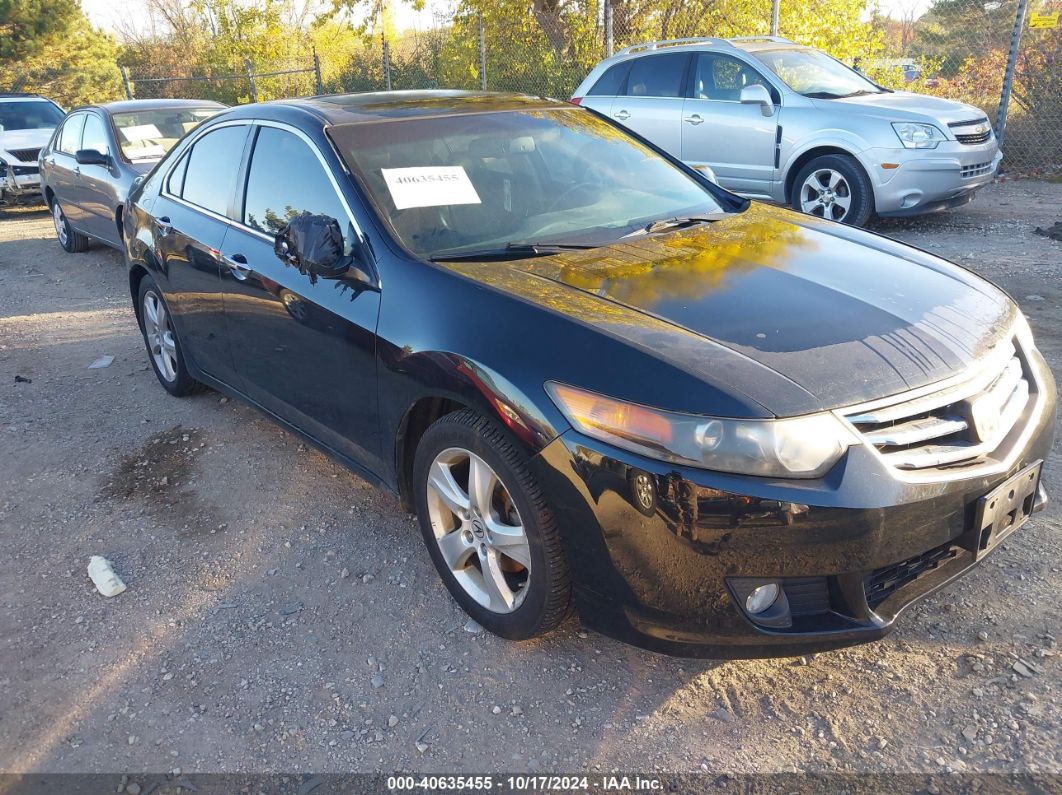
x: 27, y: 122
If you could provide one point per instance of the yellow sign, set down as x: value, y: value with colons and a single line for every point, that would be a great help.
x: 1044, y: 20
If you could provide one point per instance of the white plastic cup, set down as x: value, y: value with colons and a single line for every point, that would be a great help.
x: 103, y: 577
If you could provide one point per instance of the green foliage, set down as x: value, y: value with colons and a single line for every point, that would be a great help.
x: 49, y: 46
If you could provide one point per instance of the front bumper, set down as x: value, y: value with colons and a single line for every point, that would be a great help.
x: 18, y: 180
x: 928, y: 180
x: 657, y: 550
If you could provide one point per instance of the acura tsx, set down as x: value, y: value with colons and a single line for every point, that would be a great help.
x: 603, y: 383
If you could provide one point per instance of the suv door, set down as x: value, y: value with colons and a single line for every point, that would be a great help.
x: 651, y: 104
x: 191, y: 217
x: 737, y: 141
x: 95, y: 183
x: 304, y: 350
x: 60, y: 167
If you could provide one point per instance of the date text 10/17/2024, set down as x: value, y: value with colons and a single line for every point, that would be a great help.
x: 523, y: 783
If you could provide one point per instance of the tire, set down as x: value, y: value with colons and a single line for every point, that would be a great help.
x: 166, y: 360
x: 541, y: 591
x: 642, y: 492
x: 72, y: 241
x: 843, y: 180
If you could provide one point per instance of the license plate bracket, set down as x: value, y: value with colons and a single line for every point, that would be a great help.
x: 1004, y: 509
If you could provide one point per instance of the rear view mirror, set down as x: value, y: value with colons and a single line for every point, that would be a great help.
x: 91, y: 157
x: 758, y: 95
x: 314, y: 245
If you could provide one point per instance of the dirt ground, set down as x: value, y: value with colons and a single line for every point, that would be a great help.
x: 282, y: 615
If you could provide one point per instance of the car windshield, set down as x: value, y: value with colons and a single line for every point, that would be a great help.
x: 149, y: 134
x: 33, y: 114
x: 485, y: 181
x: 815, y: 74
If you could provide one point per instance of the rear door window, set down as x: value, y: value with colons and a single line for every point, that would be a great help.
x: 658, y: 76
x: 210, y: 175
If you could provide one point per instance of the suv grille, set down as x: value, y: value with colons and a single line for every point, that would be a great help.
x: 881, y: 583
x: 957, y: 427
x: 973, y: 138
x: 976, y: 170
x: 26, y: 155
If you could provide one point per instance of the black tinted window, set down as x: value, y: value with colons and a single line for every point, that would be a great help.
x: 658, y: 76
x: 210, y: 175
x: 95, y: 135
x: 70, y: 135
x: 286, y: 179
x: 612, y: 81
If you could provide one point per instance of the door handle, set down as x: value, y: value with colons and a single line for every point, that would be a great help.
x: 622, y: 115
x: 237, y: 263
x: 163, y: 225
x: 694, y: 119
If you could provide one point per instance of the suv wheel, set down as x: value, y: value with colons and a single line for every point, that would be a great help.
x: 70, y: 239
x: 834, y: 187
x: 160, y: 337
x: 488, y: 528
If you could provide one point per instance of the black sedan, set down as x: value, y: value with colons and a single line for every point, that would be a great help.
x: 712, y: 427
x: 98, y: 152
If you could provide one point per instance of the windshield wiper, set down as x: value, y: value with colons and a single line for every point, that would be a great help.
x: 510, y: 251
x: 674, y: 223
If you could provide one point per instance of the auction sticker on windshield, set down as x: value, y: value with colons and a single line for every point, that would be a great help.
x: 429, y: 186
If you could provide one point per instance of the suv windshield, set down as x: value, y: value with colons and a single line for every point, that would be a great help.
x: 476, y: 182
x: 149, y: 134
x: 815, y: 74
x: 32, y: 114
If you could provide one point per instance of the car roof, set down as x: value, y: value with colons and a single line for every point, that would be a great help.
x: 132, y: 105
x: 341, y: 109
x: 706, y: 43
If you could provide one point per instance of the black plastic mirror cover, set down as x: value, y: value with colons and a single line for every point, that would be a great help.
x: 91, y: 157
x: 314, y: 245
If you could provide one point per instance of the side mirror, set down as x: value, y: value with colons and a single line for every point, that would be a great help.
x: 91, y: 157
x: 313, y: 244
x: 758, y: 95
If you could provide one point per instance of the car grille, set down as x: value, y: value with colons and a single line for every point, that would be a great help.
x: 26, y: 155
x: 956, y: 427
x: 976, y: 170
x: 21, y: 171
x: 882, y: 583
x: 973, y: 138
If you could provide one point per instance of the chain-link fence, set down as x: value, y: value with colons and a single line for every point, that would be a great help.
x: 957, y: 49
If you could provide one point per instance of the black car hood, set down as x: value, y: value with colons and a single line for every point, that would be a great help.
x: 843, y: 316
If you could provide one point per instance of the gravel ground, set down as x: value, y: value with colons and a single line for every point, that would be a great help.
x: 282, y: 615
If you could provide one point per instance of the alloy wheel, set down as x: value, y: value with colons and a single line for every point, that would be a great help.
x: 478, y: 530
x: 827, y: 194
x: 159, y: 336
x: 60, y: 223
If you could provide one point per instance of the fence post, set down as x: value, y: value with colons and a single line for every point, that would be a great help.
x: 125, y: 82
x: 482, y: 53
x: 776, y: 9
x: 318, y: 84
x: 610, y: 44
x: 250, y: 79
x: 1008, y: 76
x: 386, y: 63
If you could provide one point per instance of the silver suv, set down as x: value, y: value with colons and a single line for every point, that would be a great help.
x: 775, y: 120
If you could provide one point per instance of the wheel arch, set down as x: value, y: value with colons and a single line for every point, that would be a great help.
x: 805, y: 157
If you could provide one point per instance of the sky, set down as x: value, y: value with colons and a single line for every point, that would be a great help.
x: 108, y: 14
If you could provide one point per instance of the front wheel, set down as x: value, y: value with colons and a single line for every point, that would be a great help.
x: 489, y: 529
x: 836, y: 188
x: 69, y: 238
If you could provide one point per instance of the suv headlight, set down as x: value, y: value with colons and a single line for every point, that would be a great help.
x: 918, y: 136
x: 800, y: 447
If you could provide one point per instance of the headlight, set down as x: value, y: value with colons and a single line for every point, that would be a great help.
x: 1023, y: 332
x: 918, y: 136
x: 801, y: 447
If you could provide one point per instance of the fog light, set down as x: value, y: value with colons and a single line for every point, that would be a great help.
x: 762, y: 598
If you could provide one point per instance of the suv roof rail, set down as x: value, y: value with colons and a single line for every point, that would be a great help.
x: 663, y: 43
x: 773, y: 39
